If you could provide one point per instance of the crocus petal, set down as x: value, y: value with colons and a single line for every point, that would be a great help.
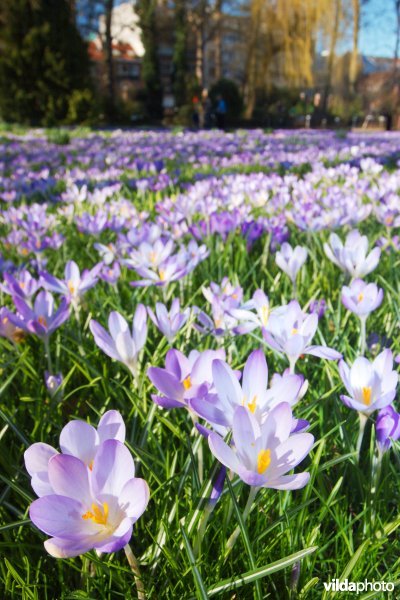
x: 323, y: 352
x: 289, y: 482
x: 134, y: 498
x: 58, y: 516
x: 37, y: 457
x: 113, y: 467
x: 79, y: 439
x: 111, y: 426
x: 223, y: 452
x: 69, y: 476
x: 62, y: 548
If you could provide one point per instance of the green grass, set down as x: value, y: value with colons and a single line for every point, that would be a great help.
x: 327, y: 528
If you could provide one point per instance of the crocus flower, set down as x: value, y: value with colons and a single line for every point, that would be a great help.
x: 169, y: 322
x: 290, y: 330
x: 218, y: 408
x: 8, y: 329
x: 370, y: 385
x: 247, y: 318
x: 53, y: 383
x: 74, y: 285
x: 263, y: 454
x: 42, y: 319
x: 318, y: 307
x: 111, y: 273
x: 183, y: 377
x: 23, y: 285
x: 78, y: 439
x: 387, y: 428
x: 362, y: 298
x: 290, y: 260
x: 90, y: 508
x: 122, y: 345
x: 352, y: 257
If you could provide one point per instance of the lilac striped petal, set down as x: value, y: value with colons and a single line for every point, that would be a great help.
x: 223, y: 452
x: 111, y: 426
x: 166, y: 382
x: 79, y: 439
x: 103, y: 340
x: 69, y: 476
x: 290, y: 482
x: 134, y: 498
x: 113, y: 467
x: 59, y: 516
x: 323, y: 352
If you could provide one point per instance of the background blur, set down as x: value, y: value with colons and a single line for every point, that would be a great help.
x: 274, y: 63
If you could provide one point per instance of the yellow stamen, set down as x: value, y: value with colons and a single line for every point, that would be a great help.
x: 71, y: 286
x: 99, y: 515
x: 153, y: 257
x: 42, y: 321
x: 90, y: 465
x: 252, y: 405
x: 22, y: 285
x: 295, y: 330
x: 161, y: 273
x: 264, y: 315
x: 24, y: 251
x: 360, y: 297
x: 366, y: 394
x: 263, y: 461
x: 187, y: 383
x: 5, y: 320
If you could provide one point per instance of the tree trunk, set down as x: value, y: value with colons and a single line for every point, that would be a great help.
x: 353, y: 70
x: 109, y: 6
x: 331, y: 58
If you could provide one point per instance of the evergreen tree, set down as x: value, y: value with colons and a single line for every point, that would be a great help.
x: 43, y: 60
x: 146, y: 10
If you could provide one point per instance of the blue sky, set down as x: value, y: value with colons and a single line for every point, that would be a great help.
x: 377, y: 35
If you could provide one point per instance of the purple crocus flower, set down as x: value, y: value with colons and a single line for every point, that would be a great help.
x: 218, y: 408
x: 111, y: 273
x: 387, y: 428
x: 8, y: 329
x: 290, y: 260
x: 263, y: 454
x: 78, y: 439
x: 42, y: 319
x: 169, y: 322
x: 90, y: 508
x: 23, y: 285
x: 183, y: 377
x: 352, y: 256
x: 247, y: 318
x: 122, y: 345
x: 74, y: 285
x: 53, y: 383
x: 370, y: 385
x: 318, y: 307
x: 290, y: 330
x: 362, y: 298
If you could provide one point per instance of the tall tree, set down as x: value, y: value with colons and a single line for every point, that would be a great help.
x: 151, y: 72
x: 43, y: 60
x: 353, y: 69
x: 180, y: 53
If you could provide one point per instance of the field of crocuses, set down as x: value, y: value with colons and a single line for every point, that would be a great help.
x: 199, y: 365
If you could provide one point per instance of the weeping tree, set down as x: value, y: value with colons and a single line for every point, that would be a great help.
x: 43, y: 61
x: 146, y: 10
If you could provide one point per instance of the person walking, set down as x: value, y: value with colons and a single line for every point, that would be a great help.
x: 220, y: 112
